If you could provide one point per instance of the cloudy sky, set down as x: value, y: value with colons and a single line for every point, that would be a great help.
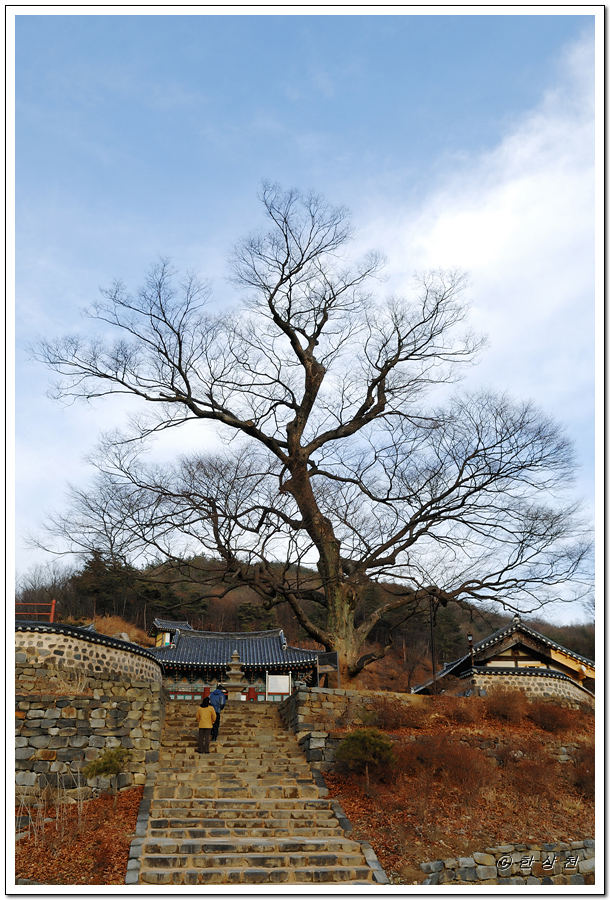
x: 456, y: 140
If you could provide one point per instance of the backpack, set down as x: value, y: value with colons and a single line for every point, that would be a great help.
x: 218, y: 702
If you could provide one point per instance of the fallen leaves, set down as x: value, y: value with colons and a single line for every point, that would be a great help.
x: 94, y: 850
x: 411, y: 819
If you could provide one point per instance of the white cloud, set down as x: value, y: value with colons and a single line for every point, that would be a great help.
x: 520, y: 220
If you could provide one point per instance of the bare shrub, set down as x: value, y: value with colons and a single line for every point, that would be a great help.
x: 468, y: 769
x: 393, y: 714
x: 454, y: 762
x: 549, y: 716
x: 584, y: 772
x: 505, y: 756
x: 534, y: 778
x: 428, y: 753
x: 506, y: 705
x: 407, y: 762
x: 462, y: 710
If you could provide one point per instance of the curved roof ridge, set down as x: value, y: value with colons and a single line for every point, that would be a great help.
x: 516, y: 624
x: 228, y: 635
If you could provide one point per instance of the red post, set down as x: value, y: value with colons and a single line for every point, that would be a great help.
x: 53, y: 602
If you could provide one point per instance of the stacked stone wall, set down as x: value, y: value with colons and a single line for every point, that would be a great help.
x: 324, y: 709
x: 78, y: 695
x: 514, y: 864
x: 320, y: 747
x: 315, y: 715
x: 536, y: 687
x: 57, y: 734
x: 60, y: 654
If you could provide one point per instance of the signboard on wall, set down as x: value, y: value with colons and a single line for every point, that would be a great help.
x: 278, y: 684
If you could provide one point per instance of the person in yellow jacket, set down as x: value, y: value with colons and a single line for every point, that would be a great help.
x: 206, y: 716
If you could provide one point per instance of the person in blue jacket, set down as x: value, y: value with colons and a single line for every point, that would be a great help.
x: 218, y: 698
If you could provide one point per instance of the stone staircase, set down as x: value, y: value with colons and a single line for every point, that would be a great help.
x: 250, y: 812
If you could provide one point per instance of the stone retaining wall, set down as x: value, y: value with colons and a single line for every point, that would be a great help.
x: 537, y: 687
x: 67, y: 653
x: 320, y: 747
x: 322, y: 709
x: 56, y: 735
x: 325, y: 709
x: 558, y: 863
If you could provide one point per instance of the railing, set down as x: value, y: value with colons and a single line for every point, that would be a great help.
x: 50, y: 613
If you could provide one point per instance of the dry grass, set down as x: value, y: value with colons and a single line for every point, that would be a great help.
x: 551, y: 717
x: 461, y: 710
x: 449, y: 797
x: 111, y: 625
x: 506, y: 705
x: 82, y: 844
x: 392, y: 715
x: 584, y: 772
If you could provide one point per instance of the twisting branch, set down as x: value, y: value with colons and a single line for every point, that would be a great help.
x: 337, y: 462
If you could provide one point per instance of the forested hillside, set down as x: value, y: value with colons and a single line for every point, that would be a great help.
x: 125, y: 598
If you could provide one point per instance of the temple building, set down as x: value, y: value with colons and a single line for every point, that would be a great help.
x: 516, y: 656
x: 194, y: 662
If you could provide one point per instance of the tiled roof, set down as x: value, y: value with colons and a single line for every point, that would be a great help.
x: 207, y: 649
x: 168, y: 625
x: 517, y: 625
x: 514, y: 625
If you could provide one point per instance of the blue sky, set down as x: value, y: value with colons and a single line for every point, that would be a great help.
x: 455, y: 139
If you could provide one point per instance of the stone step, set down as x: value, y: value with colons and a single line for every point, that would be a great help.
x: 268, y: 720
x: 228, y: 773
x: 161, y: 819
x: 236, y: 784
x: 263, y: 847
x: 206, y: 766
x: 160, y: 809
x: 232, y: 756
x: 235, y: 725
x: 228, y: 720
x: 233, y: 764
x: 272, y: 791
x: 215, y: 776
x: 216, y: 757
x: 177, y: 740
x: 274, y: 828
x: 267, y: 736
x: 245, y: 806
x: 246, y: 860
x: 280, y: 748
x: 210, y: 763
x: 352, y: 875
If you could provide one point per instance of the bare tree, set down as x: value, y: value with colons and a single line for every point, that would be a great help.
x: 42, y: 584
x: 333, y: 461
